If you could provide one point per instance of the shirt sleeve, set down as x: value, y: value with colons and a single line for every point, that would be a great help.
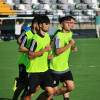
x: 24, y: 41
x: 33, y: 45
x: 21, y: 36
x: 57, y: 42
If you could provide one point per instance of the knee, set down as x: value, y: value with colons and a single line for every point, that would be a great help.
x: 70, y: 88
x: 50, y: 92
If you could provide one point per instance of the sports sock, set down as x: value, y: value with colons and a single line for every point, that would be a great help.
x: 66, y: 98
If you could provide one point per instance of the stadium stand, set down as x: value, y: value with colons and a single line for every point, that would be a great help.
x: 5, y: 10
x: 82, y: 10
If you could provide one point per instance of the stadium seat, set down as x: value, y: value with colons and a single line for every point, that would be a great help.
x: 1, y: 2
x: 83, y: 6
x: 95, y: 6
x: 76, y: 1
x: 99, y: 1
x: 71, y: 7
x: 21, y: 7
x: 90, y: 12
x: 59, y: 1
x: 82, y: 1
x: 88, y: 1
x: 91, y: 17
x: 59, y: 6
x: 70, y: 2
x: 16, y: 1
x: 35, y: 6
x: 64, y: 1
x: 66, y: 12
x: 46, y: 7
x: 60, y: 13
x: 77, y: 6
x: 55, y: 18
x: 52, y: 1
x: 85, y: 18
x: 27, y: 1
x: 79, y: 18
x: 22, y: 1
x: 40, y: 7
x: 28, y: 7
x: 53, y: 7
x: 95, y: 1
x: 89, y: 6
x: 54, y: 12
x: 15, y: 7
x: 76, y: 12
x: 10, y: 2
x: 64, y: 7
x: 40, y: 1
x: 46, y: 1
x: 35, y: 2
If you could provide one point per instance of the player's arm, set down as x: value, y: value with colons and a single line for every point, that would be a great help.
x: 19, y: 40
x: 58, y: 48
x: 22, y: 47
x: 73, y: 48
x: 33, y: 46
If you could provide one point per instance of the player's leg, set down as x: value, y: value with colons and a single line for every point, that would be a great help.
x: 65, y: 95
x: 20, y: 81
x: 31, y: 85
x: 68, y: 79
x: 56, y: 78
x: 47, y: 85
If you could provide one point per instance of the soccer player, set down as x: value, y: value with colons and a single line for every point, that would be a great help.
x: 73, y: 48
x: 23, y: 49
x: 37, y: 67
x: 61, y: 50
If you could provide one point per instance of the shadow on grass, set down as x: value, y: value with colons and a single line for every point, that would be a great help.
x: 5, y: 99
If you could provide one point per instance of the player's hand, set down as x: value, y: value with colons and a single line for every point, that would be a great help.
x: 71, y: 42
x: 73, y: 49
x: 50, y: 56
x: 48, y: 48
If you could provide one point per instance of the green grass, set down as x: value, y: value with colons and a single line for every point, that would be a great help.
x: 84, y: 64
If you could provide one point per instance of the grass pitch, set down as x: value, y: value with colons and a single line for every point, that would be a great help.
x: 84, y: 64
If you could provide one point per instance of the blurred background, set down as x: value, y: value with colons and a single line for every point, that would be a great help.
x: 82, y: 10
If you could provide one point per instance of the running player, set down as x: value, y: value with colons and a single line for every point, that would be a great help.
x: 37, y: 67
x: 23, y: 49
x: 61, y: 50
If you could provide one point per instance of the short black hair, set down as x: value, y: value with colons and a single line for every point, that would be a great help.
x: 65, y: 18
x: 36, y: 18
x: 44, y: 19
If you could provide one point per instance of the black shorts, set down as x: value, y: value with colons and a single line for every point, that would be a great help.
x: 61, y: 77
x: 17, y: 36
x: 22, y: 73
x: 34, y: 79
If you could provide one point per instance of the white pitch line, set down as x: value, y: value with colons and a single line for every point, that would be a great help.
x: 91, y: 66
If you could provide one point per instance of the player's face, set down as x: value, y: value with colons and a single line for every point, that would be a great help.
x: 66, y: 25
x: 72, y: 23
x: 36, y: 26
x: 45, y: 27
